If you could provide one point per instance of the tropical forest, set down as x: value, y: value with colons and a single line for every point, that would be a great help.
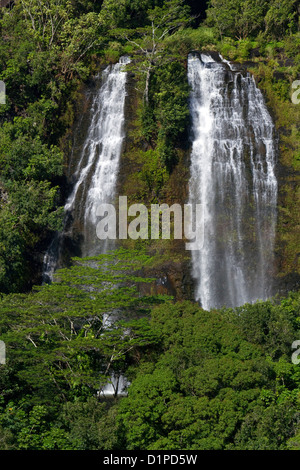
x: 149, y: 225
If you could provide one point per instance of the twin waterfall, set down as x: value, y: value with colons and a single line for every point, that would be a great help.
x: 232, y: 176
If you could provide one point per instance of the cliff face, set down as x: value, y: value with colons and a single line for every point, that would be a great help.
x: 172, y: 267
x: 142, y: 182
x: 288, y: 229
x: 286, y: 117
x: 4, y: 3
x: 171, y: 264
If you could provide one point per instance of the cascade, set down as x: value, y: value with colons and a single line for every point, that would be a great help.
x: 96, y: 169
x: 95, y: 179
x: 232, y: 177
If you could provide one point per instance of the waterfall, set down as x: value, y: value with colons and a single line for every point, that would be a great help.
x: 233, y: 178
x: 96, y: 169
x: 95, y: 179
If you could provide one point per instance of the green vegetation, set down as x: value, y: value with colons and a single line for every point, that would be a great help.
x: 199, y: 380
x: 42, y: 63
x: 164, y: 118
x: 220, y: 380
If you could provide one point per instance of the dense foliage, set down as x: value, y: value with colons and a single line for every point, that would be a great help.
x: 199, y: 380
x: 219, y: 380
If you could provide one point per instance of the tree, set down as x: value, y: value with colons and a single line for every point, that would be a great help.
x: 46, y: 18
x: 57, y: 336
x: 55, y: 25
x: 212, y: 384
x: 236, y: 18
x: 280, y: 17
x: 163, y: 22
x: 169, y: 100
x: 43, y: 50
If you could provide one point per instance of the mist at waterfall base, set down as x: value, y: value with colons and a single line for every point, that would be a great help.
x: 233, y: 177
x: 95, y: 178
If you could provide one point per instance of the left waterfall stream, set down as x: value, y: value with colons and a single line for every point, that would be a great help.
x: 94, y: 182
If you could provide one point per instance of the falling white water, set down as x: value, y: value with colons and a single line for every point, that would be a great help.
x: 232, y: 176
x: 50, y: 260
x: 95, y: 180
x: 117, y: 387
x: 96, y: 171
x: 118, y: 383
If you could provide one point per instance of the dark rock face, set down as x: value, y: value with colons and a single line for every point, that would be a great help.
x: 172, y: 278
x: 5, y: 3
x: 173, y: 275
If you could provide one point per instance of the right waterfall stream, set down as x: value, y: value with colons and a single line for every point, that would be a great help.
x: 233, y: 177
